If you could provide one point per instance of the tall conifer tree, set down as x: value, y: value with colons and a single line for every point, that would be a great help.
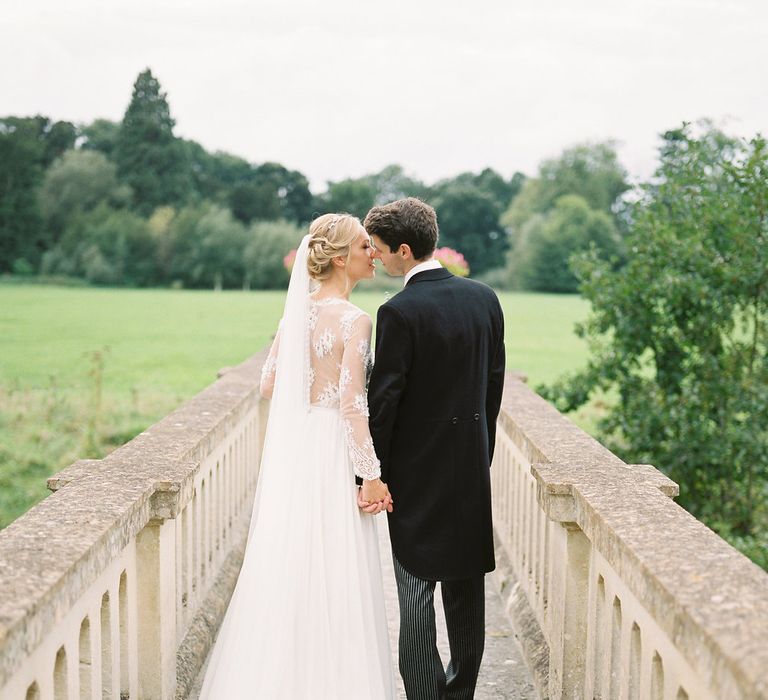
x: 149, y: 157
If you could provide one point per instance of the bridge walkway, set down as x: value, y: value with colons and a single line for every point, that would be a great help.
x: 503, y: 676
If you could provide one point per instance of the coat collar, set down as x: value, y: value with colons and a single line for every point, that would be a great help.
x: 430, y: 276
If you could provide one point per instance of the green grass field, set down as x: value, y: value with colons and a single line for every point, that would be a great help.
x: 82, y: 370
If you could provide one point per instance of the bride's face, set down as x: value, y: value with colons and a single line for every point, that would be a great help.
x: 360, y: 264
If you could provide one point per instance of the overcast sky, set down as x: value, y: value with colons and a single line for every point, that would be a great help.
x: 341, y: 88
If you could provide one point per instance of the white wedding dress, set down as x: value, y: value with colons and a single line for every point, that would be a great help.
x: 307, y: 617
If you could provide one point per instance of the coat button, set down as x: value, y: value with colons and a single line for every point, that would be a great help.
x: 477, y: 416
x: 454, y: 420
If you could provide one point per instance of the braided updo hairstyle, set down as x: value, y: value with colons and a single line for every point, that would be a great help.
x: 330, y: 236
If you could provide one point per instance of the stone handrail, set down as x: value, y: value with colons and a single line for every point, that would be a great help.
x: 615, y: 590
x: 114, y: 586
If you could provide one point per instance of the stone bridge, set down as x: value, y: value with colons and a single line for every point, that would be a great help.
x: 114, y: 586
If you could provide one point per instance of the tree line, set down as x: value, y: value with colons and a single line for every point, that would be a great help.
x: 676, y: 273
x: 130, y: 203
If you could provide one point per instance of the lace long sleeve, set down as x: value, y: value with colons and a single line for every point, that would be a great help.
x: 353, y: 401
x: 269, y: 369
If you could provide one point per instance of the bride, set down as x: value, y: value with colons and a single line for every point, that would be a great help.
x: 307, y: 617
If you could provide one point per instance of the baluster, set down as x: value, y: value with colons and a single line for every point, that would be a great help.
x: 60, y: 676
x: 155, y: 575
x: 85, y: 666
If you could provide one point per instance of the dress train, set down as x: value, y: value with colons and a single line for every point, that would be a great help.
x: 307, y: 617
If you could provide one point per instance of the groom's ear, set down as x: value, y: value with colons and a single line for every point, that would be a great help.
x: 404, y: 251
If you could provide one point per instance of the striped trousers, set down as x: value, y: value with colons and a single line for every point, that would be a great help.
x: 420, y: 664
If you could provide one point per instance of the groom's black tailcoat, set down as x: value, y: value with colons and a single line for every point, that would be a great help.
x: 434, y: 396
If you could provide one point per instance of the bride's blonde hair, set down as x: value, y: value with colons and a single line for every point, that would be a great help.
x: 330, y: 236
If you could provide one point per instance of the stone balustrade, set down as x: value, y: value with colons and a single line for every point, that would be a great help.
x: 615, y: 591
x: 114, y: 586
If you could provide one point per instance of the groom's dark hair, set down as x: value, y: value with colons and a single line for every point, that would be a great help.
x: 409, y: 221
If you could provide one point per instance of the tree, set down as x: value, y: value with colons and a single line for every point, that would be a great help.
x: 149, y: 157
x: 469, y: 222
x: 681, y: 331
x: 57, y: 138
x: 101, y: 135
x: 272, y: 192
x: 357, y: 195
x: 491, y: 183
x: 160, y: 227
x: 292, y: 189
x: 215, y: 174
x: 105, y: 246
x: 269, y: 243
x: 75, y: 183
x: 251, y: 200
x: 207, y: 247
x: 529, y: 202
x: 571, y: 227
x: 591, y: 171
x: 350, y: 196
x: 391, y: 183
x: 27, y: 147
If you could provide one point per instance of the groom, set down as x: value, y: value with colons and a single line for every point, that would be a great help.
x: 434, y: 396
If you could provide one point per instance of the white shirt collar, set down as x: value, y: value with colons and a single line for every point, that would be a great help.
x: 430, y: 264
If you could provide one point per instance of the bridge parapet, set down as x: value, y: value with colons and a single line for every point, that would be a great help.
x: 616, y: 591
x: 114, y: 586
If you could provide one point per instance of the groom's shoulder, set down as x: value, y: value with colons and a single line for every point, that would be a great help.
x: 414, y: 296
x: 474, y: 290
x: 479, y: 287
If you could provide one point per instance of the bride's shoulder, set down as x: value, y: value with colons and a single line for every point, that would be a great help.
x: 356, y: 309
x: 335, y: 307
x: 352, y: 313
x: 354, y: 320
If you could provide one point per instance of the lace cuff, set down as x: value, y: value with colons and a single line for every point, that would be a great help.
x: 364, y: 459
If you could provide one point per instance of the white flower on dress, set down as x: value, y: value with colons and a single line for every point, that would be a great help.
x: 324, y: 343
x: 364, y: 350
x: 345, y: 378
x: 329, y: 396
x: 348, y: 320
x: 360, y: 404
x: 312, y: 320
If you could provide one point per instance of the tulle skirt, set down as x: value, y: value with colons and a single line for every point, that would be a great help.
x: 307, y: 617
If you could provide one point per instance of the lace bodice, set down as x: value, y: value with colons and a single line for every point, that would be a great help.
x: 340, y: 362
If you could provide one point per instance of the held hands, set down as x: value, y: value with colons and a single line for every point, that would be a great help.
x: 373, y: 497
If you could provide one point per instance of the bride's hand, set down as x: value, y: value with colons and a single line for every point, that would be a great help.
x: 374, y: 496
x: 371, y: 508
